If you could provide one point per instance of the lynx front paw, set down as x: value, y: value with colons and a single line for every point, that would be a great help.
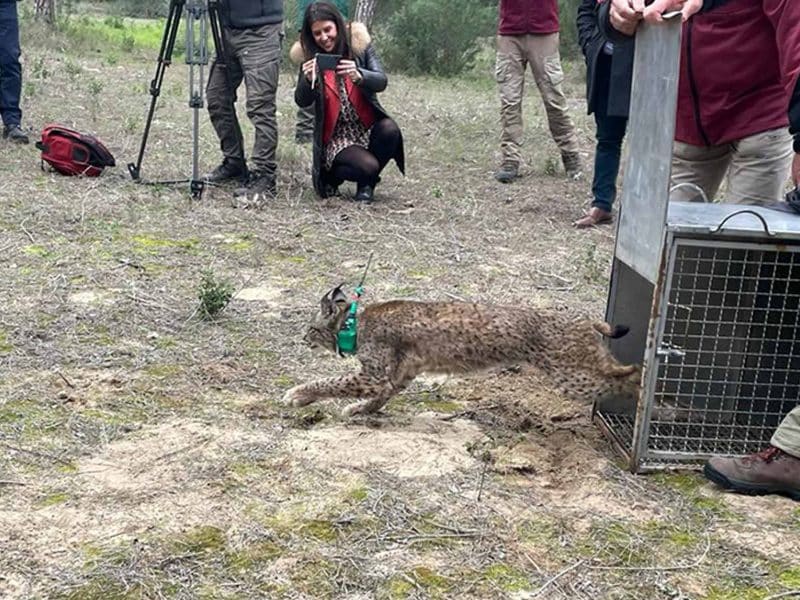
x: 297, y: 396
x: 356, y: 408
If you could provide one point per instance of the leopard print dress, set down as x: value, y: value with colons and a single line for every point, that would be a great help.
x: 348, y: 131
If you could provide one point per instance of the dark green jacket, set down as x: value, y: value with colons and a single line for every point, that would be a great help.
x: 244, y: 14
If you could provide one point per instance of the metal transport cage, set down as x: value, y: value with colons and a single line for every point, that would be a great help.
x: 721, y: 354
x: 711, y: 293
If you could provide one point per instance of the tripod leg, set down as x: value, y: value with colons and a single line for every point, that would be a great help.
x: 164, y: 60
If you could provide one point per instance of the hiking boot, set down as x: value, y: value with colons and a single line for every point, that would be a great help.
x: 365, y: 193
x: 259, y: 189
x: 572, y: 165
x: 14, y: 133
x: 229, y: 169
x: 770, y: 471
x: 507, y: 173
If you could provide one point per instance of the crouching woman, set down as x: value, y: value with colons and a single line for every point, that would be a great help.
x: 354, y: 138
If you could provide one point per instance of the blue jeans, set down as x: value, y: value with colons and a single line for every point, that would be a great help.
x: 609, y: 134
x: 10, y: 69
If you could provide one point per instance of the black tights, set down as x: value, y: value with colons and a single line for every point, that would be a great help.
x: 364, y: 165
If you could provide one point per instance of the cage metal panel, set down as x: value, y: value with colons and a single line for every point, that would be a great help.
x: 723, y: 361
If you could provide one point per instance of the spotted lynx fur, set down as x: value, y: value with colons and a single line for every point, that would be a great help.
x: 400, y: 339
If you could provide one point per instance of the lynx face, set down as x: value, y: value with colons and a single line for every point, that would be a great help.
x: 323, y: 329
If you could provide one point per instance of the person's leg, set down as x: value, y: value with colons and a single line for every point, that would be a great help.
x: 774, y: 470
x: 510, y: 75
x: 760, y: 168
x: 383, y: 142
x: 542, y: 53
x: 696, y: 167
x: 787, y: 435
x: 221, y: 100
x: 358, y: 164
x: 10, y: 72
x: 259, y: 54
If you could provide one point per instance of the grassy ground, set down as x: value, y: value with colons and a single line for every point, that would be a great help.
x: 143, y: 450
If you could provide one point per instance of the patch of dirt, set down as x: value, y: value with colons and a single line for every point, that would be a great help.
x: 425, y: 447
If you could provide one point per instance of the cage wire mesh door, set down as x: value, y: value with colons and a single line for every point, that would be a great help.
x: 722, y: 365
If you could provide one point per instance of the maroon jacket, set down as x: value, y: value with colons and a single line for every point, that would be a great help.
x: 739, y: 66
x: 518, y: 17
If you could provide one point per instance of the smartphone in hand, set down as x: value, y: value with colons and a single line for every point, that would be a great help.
x: 327, y: 62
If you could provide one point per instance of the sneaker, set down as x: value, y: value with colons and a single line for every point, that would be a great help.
x: 365, y: 193
x: 507, y: 173
x: 229, y: 169
x: 770, y: 471
x: 572, y: 165
x: 14, y: 133
x: 260, y: 188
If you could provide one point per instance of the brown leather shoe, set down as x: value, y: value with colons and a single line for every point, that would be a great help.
x: 770, y: 471
x: 595, y: 216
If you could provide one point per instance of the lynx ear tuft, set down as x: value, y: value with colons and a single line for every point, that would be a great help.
x: 333, y: 301
x: 338, y: 296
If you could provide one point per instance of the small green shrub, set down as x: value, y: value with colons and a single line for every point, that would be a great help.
x: 214, y: 295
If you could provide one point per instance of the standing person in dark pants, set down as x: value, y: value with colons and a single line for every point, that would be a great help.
x: 609, y: 68
x: 251, y: 31
x: 10, y: 73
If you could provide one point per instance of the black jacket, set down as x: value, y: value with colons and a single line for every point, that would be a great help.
x: 374, y: 81
x: 592, y: 40
x: 244, y: 14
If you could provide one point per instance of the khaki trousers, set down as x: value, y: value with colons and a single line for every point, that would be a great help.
x: 757, y: 168
x: 787, y: 435
x: 254, y: 58
x: 514, y: 53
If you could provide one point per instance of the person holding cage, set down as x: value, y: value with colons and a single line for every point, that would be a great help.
x: 341, y: 75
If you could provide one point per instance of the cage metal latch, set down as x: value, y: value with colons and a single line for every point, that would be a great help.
x: 665, y: 353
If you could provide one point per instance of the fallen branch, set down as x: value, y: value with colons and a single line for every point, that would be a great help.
x: 556, y: 577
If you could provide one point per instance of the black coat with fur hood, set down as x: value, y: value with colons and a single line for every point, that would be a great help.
x: 373, y: 81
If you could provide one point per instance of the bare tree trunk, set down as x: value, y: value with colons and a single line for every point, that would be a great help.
x: 365, y: 10
x: 46, y: 9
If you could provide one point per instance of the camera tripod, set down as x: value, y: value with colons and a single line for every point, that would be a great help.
x: 199, y: 15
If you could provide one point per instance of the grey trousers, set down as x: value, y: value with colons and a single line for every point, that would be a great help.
x: 253, y: 57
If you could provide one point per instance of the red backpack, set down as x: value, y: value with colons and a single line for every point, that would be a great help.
x: 73, y: 153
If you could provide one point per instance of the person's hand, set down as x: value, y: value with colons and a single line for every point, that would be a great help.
x: 310, y: 69
x: 655, y: 11
x: 348, y: 68
x: 796, y: 169
x: 624, y: 18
